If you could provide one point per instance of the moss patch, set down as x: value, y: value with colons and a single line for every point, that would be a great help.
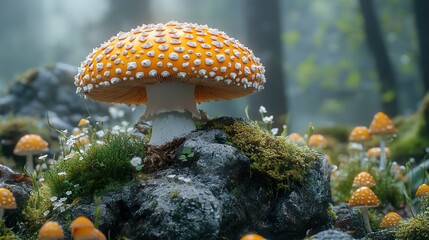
x: 276, y: 158
x: 415, y: 228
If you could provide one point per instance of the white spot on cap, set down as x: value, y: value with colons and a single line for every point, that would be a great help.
x: 209, y: 61
x: 205, y: 46
x: 147, y: 45
x: 99, y: 67
x: 223, y: 69
x: 141, y: 39
x: 161, y: 56
x: 212, y: 74
x: 146, y: 63
x: 118, y: 71
x: 120, y: 44
x: 159, y: 64
x: 237, y: 66
x: 165, y: 73
x: 160, y: 40
x: 181, y: 74
x: 106, y: 74
x: 197, y: 62
x: 173, y: 56
x: 220, y: 58
x: 217, y: 44
x: 218, y: 78
x: 151, y: 53
x: 186, y: 57
x: 185, y: 64
x: 139, y: 75
x: 153, y: 73
x: 233, y: 75
x: 117, y: 61
x: 191, y: 44
x: 131, y: 65
x: 175, y: 41
x: 163, y: 47
x: 246, y: 70
x: 115, y: 80
x: 228, y: 81
x: 202, y: 72
x: 179, y: 49
x: 129, y: 46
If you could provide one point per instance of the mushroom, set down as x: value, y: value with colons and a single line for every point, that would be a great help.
x: 382, y: 125
x: 317, y: 140
x: 83, y: 122
x: 297, y: 138
x: 422, y: 190
x: 375, y: 152
x: 359, y: 135
x: 364, y: 198
x: 252, y: 236
x: 83, y: 229
x: 389, y: 220
x: 7, y: 201
x: 364, y: 179
x: 51, y: 231
x: 29, y: 145
x: 170, y: 67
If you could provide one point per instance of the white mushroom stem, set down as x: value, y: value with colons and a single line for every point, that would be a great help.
x: 364, y: 211
x: 29, y: 163
x: 170, y: 106
x: 383, y: 160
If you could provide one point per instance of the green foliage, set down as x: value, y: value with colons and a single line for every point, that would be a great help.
x: 97, y: 167
x: 186, y: 154
x: 415, y: 228
x: 342, y: 181
x: 6, y: 233
x: 278, y: 159
x: 387, y: 188
x: 37, y: 204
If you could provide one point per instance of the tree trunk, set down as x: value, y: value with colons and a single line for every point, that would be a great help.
x: 421, y: 8
x: 264, y: 38
x: 386, y: 74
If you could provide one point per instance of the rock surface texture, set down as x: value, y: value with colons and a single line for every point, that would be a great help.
x: 213, y: 196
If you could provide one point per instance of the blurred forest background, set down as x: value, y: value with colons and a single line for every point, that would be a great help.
x: 327, y: 61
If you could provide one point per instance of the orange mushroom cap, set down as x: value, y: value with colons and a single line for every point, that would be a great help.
x: 30, y: 144
x: 83, y: 122
x: 297, y: 138
x: 85, y: 234
x: 317, y: 140
x: 391, y: 219
x: 375, y: 152
x: 220, y: 67
x: 100, y: 235
x: 7, y: 200
x: 81, y: 223
x: 422, y: 190
x: 360, y: 134
x: 51, y: 231
x: 364, y: 197
x: 382, y: 125
x: 364, y: 179
x: 252, y: 236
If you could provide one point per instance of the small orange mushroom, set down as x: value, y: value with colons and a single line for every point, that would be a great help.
x: 252, y: 236
x: 297, y: 138
x: 364, y: 198
x: 375, y: 152
x: 383, y: 126
x: 51, y: 231
x: 7, y: 201
x: 360, y: 134
x: 364, y: 179
x: 28, y: 145
x: 317, y: 140
x: 422, y: 190
x: 389, y: 220
x: 83, y: 229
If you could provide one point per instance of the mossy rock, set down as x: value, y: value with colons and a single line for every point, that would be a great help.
x: 413, y: 135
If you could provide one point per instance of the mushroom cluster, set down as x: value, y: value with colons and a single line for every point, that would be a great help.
x: 170, y: 67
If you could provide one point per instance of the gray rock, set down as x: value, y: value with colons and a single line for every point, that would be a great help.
x: 331, y: 235
x: 212, y: 195
x: 349, y: 220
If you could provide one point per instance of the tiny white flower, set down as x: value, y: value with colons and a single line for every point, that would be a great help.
x: 63, y: 199
x: 100, y: 133
x: 64, y: 131
x: 80, y: 158
x: 274, y: 131
x: 62, y: 173
x: 43, y: 157
x: 41, y: 180
x: 62, y: 209
x: 262, y: 110
x: 53, y: 199
x: 45, y: 213
x: 268, y: 119
x: 136, y: 161
x: 68, y: 193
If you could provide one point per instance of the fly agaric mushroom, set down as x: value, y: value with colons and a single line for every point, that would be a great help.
x: 29, y: 145
x: 389, y: 220
x: 357, y: 136
x: 7, y: 201
x: 317, y: 140
x: 170, y: 68
x: 422, y: 190
x: 364, y: 179
x: 252, y: 236
x: 364, y: 198
x: 375, y: 152
x: 382, y: 125
x: 51, y: 231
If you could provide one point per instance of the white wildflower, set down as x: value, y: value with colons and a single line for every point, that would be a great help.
x: 268, y: 119
x: 41, y: 179
x: 43, y: 157
x: 62, y: 209
x: 100, y: 133
x: 274, y: 131
x: 262, y: 110
x: 53, y: 199
x: 62, y: 173
x: 63, y: 199
x: 45, y: 213
x: 68, y: 193
x: 136, y: 161
x: 80, y: 158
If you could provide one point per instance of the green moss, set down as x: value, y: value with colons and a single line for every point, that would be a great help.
x: 174, y: 194
x: 37, y: 204
x: 99, y: 166
x: 279, y: 160
x: 6, y: 233
x: 387, y: 188
x: 14, y: 127
x: 415, y: 228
